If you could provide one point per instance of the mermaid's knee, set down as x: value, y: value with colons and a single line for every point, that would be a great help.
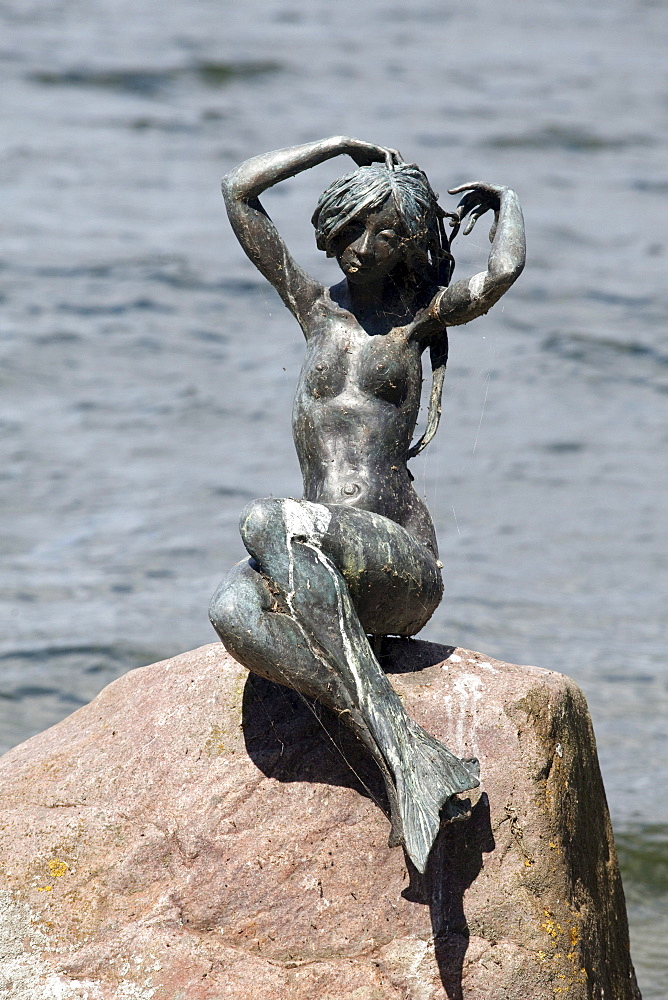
x: 259, y: 520
x: 236, y: 603
x: 245, y: 614
x: 264, y: 521
x: 222, y: 609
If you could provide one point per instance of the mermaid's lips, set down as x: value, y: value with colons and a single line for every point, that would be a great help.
x: 355, y: 268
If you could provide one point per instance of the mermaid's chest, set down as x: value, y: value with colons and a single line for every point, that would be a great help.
x: 387, y: 368
x: 383, y: 367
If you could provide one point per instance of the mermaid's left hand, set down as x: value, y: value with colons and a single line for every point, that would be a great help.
x: 480, y: 198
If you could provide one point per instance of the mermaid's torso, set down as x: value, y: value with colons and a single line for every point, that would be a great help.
x: 354, y: 415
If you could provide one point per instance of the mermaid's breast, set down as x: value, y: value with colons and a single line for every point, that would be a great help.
x: 386, y: 369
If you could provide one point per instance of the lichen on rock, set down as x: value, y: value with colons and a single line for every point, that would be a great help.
x: 197, y: 832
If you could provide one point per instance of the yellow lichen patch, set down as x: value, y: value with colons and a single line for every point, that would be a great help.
x: 551, y: 926
x: 44, y: 888
x: 58, y: 868
x: 215, y: 744
x: 560, y: 937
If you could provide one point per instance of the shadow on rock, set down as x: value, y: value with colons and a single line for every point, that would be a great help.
x: 407, y: 656
x: 290, y: 737
x: 454, y: 864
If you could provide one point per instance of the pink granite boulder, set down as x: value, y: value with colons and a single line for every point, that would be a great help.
x: 198, y: 834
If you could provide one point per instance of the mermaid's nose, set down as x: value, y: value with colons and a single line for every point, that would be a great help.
x: 363, y: 247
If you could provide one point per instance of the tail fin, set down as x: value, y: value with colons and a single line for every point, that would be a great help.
x: 432, y: 775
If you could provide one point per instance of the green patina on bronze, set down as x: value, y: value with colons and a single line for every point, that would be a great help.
x: 357, y: 555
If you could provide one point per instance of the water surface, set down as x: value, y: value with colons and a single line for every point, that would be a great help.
x: 147, y: 372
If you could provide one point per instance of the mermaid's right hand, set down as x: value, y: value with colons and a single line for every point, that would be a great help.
x: 366, y: 153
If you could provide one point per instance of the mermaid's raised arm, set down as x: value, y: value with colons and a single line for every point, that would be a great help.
x: 468, y: 298
x: 257, y: 234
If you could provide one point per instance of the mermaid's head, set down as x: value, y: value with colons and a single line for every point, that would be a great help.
x: 418, y: 218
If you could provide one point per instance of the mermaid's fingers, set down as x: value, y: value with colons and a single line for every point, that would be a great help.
x: 393, y: 158
x: 474, y: 216
x: 470, y: 186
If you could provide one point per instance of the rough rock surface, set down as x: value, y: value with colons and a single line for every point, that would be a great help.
x: 153, y: 847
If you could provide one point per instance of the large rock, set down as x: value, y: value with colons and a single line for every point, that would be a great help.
x: 197, y: 834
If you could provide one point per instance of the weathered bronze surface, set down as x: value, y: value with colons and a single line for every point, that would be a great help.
x: 356, y: 558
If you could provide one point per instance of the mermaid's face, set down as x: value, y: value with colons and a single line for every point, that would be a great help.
x: 370, y: 246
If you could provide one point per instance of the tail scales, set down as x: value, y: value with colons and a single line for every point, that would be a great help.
x: 432, y: 776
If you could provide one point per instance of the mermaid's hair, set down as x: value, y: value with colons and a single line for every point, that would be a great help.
x: 364, y: 190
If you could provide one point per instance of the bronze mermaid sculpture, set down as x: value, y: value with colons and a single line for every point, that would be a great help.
x: 356, y: 558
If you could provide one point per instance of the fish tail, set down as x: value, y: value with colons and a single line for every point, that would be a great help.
x: 429, y: 779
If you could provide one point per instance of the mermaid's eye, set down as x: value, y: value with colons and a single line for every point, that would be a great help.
x: 350, y: 233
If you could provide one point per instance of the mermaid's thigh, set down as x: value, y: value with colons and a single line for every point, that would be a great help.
x: 253, y: 628
x: 393, y: 579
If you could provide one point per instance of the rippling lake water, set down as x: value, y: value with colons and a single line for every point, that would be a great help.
x: 147, y: 371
